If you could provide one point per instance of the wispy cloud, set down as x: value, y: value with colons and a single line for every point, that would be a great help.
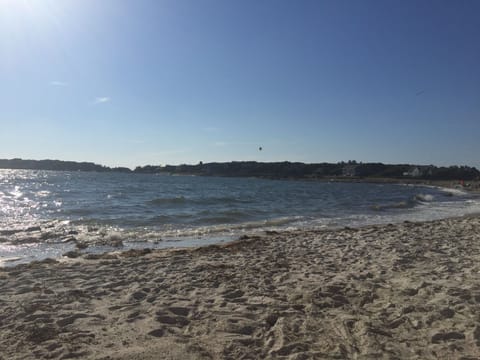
x: 58, y: 83
x: 101, y: 100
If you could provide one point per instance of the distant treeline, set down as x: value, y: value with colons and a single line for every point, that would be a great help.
x: 297, y: 170
x: 56, y: 165
x: 271, y: 170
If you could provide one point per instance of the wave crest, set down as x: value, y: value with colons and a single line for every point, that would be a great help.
x: 168, y: 201
x: 424, y: 197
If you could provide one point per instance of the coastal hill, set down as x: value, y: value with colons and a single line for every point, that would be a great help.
x: 271, y: 170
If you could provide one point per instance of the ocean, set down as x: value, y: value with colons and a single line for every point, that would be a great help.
x: 46, y: 213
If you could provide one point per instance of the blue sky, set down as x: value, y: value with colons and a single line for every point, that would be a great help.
x: 127, y: 83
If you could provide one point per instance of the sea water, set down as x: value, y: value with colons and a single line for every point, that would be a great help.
x: 47, y: 213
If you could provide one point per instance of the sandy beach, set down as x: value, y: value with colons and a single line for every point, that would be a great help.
x: 406, y: 291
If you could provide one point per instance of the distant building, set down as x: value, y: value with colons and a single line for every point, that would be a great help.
x: 349, y: 170
x: 419, y: 171
x: 414, y: 172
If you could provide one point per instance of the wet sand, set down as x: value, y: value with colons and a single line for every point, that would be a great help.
x: 407, y: 291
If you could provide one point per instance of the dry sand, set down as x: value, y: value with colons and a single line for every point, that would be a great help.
x: 408, y: 291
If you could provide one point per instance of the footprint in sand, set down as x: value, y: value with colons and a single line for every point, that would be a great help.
x: 167, y: 319
x: 157, y: 332
x: 447, y: 336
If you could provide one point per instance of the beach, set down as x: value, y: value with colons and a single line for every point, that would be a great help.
x: 403, y: 291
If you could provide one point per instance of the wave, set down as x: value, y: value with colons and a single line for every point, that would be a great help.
x: 453, y: 191
x: 87, y: 235
x: 181, y: 200
x: 228, y: 230
x: 80, y: 212
x: 167, y: 201
x: 398, y: 205
x: 424, y: 197
x: 417, y: 199
x: 222, y: 200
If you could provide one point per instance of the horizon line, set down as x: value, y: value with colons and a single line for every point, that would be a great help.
x: 348, y: 162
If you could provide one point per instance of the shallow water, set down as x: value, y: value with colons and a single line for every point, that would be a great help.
x: 45, y: 213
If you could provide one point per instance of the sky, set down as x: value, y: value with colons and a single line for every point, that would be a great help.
x: 135, y: 82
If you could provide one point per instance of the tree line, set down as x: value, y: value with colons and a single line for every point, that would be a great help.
x: 298, y: 170
x: 56, y: 165
x: 271, y: 170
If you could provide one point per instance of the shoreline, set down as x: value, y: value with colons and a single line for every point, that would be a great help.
x: 72, y: 244
x: 409, y: 290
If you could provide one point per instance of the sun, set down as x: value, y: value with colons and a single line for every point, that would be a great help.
x: 36, y: 12
x: 16, y: 5
x: 17, y: 16
x: 12, y: 11
x: 24, y: 24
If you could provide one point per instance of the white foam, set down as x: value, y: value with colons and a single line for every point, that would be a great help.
x: 453, y: 191
x: 424, y: 197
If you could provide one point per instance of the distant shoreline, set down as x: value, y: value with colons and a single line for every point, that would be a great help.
x: 336, y: 172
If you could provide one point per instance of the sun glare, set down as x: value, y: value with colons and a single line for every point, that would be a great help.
x: 15, y: 14
x: 27, y: 26
x: 16, y: 5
